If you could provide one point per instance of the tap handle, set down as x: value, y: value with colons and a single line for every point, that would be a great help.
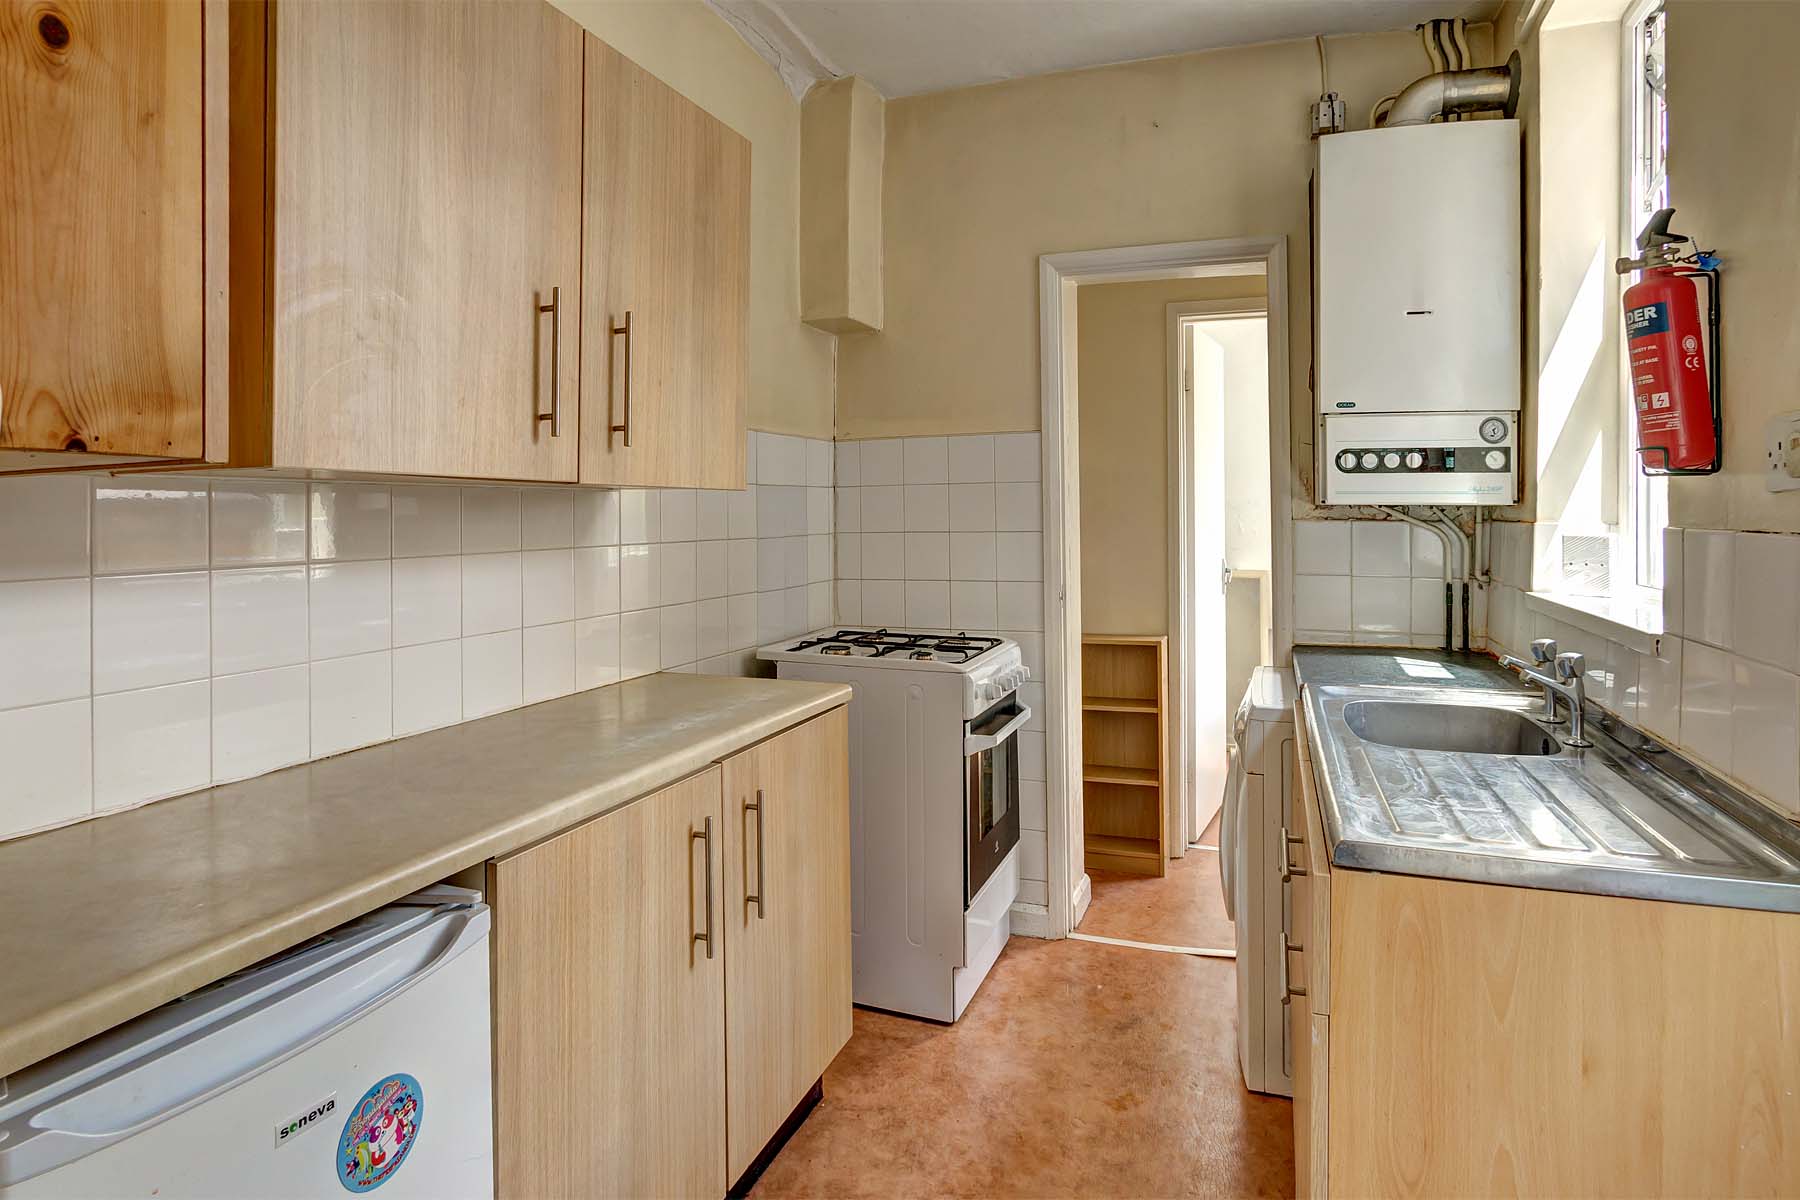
x: 1544, y: 649
x: 1570, y: 666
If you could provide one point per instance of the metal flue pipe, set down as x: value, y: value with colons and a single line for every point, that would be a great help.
x: 1480, y: 89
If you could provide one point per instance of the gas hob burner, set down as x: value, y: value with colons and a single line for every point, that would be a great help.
x: 885, y: 643
x: 921, y: 655
x: 836, y: 648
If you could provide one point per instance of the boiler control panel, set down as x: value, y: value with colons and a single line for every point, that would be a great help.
x: 1418, y: 458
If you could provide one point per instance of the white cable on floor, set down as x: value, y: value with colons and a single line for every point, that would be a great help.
x: 1192, y: 951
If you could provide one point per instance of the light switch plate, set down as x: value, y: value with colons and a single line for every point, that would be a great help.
x: 1781, y: 444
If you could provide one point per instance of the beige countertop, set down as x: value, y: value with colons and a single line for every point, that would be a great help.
x: 107, y: 919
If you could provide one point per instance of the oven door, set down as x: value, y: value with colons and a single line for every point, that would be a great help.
x: 991, y: 790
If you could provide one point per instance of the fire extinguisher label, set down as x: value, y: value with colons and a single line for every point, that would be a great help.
x: 1646, y: 320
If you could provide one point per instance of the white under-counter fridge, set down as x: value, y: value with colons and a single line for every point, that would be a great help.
x: 360, y: 1060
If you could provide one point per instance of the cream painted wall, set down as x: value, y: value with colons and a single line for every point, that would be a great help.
x: 1734, y: 179
x: 981, y: 181
x: 792, y: 370
x: 1121, y: 334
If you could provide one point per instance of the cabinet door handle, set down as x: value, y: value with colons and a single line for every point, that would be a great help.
x: 1288, y: 869
x: 756, y: 898
x: 625, y: 426
x: 706, y: 837
x: 554, y: 308
x: 1288, y: 990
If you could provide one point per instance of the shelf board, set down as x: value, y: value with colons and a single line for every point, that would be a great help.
x: 1122, y: 704
x: 1122, y: 847
x: 1144, y: 777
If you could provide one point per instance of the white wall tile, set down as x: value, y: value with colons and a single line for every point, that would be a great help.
x: 818, y: 558
x: 740, y: 620
x: 350, y: 608
x: 1428, y: 608
x: 1018, y: 507
x: 771, y: 563
x: 45, y: 640
x: 492, y: 593
x: 848, y: 505
x: 740, y: 514
x: 1019, y: 557
x: 883, y: 556
x: 818, y: 604
x: 971, y: 459
x: 257, y: 521
x: 680, y: 515
x: 678, y: 637
x: 1380, y: 548
x: 493, y: 673
x: 427, y: 599
x: 1017, y: 458
x: 781, y: 460
x: 818, y: 510
x: 261, y: 721
x: 492, y: 520
x: 883, y: 509
x: 638, y: 509
x: 1765, y: 731
x: 1765, y: 625
x: 637, y: 578
x: 427, y: 521
x: 974, y: 605
x: 351, y: 521
x: 1021, y: 605
x: 151, y: 630
x: 1706, y: 702
x: 259, y: 619
x: 1380, y: 605
x: 352, y: 702
x: 848, y: 598
x: 710, y: 521
x: 1659, y: 690
x: 928, y: 556
x: 1322, y: 603
x: 740, y: 566
x: 1708, y: 573
x: 925, y: 460
x: 152, y: 743
x: 709, y: 570
x: 848, y: 552
x: 596, y: 518
x: 972, y: 507
x: 549, y: 586
x: 927, y: 604
x: 48, y: 752
x: 1428, y: 554
x: 596, y: 652
x: 44, y: 528
x: 549, y: 661
x: 973, y: 556
x: 780, y: 510
x: 640, y: 640
x: 712, y: 627
x: 818, y: 462
x: 596, y: 571
x: 547, y: 517
x: 143, y: 524
x: 1322, y: 548
x: 427, y: 686
x: 883, y: 602
x: 849, y: 464
x: 882, y: 463
x: 1674, y: 579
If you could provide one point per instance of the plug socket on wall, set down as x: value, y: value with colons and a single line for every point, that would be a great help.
x: 1781, y: 445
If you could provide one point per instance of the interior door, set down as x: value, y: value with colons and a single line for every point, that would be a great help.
x: 609, y: 1017
x: 1207, y: 641
x: 787, y: 920
x: 101, y: 287
x: 666, y: 284
x: 427, y: 205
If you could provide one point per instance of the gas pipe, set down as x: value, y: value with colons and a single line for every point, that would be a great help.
x: 1670, y: 352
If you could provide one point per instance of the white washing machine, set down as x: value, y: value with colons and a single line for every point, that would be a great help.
x: 1257, y: 791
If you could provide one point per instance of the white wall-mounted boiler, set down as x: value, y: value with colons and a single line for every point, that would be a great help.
x: 1417, y: 310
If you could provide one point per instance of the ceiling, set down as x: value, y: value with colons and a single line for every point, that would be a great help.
x: 905, y: 47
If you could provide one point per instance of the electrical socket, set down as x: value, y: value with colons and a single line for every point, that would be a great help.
x: 1781, y: 444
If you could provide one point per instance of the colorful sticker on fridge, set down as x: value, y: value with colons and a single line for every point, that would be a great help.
x: 380, y: 1132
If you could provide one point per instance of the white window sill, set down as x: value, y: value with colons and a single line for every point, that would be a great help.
x: 1633, y: 620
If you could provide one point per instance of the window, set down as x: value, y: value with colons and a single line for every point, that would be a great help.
x: 1646, y: 178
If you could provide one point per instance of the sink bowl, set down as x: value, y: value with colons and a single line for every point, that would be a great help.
x: 1457, y: 728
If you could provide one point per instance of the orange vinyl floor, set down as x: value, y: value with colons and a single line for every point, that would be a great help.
x: 1080, y: 1069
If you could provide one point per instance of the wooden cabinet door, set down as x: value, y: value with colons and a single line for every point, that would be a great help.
x: 609, y: 1017
x: 426, y: 194
x: 102, y: 294
x: 787, y: 922
x: 666, y: 253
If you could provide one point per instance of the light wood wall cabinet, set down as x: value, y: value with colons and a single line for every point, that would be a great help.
x: 1462, y: 1039
x: 111, y: 241
x: 787, y: 922
x: 671, y: 979
x: 422, y: 216
x: 665, y: 284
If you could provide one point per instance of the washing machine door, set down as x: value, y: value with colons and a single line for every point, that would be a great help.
x: 1230, y: 816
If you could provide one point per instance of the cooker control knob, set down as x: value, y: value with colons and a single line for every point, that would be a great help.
x: 1347, y: 461
x: 1390, y: 460
x: 1369, y: 460
x: 1495, y: 459
x: 1414, y: 460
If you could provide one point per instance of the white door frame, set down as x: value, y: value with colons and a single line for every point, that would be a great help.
x: 1183, y: 660
x: 1058, y: 276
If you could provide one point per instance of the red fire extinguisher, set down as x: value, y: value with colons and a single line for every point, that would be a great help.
x: 1671, y: 326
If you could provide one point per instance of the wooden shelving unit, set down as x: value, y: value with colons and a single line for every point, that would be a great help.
x: 1124, y: 734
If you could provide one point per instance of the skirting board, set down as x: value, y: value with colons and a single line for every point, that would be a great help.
x: 1031, y: 920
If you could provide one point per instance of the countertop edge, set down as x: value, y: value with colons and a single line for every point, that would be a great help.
x: 32, y: 1040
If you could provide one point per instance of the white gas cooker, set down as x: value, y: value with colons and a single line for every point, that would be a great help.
x: 991, y: 667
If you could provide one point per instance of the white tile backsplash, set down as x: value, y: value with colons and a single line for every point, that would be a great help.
x: 1377, y: 583
x: 243, y: 624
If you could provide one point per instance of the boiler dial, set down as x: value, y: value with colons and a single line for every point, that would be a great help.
x: 1414, y: 460
x: 1390, y: 460
x: 1495, y: 459
x: 1347, y: 461
x: 1369, y: 460
x: 1493, y: 431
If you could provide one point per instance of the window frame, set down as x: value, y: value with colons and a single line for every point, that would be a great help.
x: 1644, y: 503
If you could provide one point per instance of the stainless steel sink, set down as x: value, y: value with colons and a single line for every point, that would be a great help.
x: 1457, y: 728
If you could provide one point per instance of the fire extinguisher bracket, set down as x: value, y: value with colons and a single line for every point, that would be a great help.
x: 1672, y: 319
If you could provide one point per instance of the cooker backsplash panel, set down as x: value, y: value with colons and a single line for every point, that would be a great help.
x: 158, y: 634
x: 946, y: 533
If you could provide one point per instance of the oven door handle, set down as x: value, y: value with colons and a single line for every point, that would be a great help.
x: 977, y: 743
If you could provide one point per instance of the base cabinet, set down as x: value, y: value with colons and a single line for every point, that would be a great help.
x: 654, y: 1024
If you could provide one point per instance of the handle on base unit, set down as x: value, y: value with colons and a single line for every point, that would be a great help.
x: 706, y: 837
x: 756, y: 897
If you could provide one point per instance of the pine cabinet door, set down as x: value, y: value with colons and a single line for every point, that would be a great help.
x: 609, y: 1014
x: 426, y: 201
x: 665, y: 284
x: 787, y: 922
